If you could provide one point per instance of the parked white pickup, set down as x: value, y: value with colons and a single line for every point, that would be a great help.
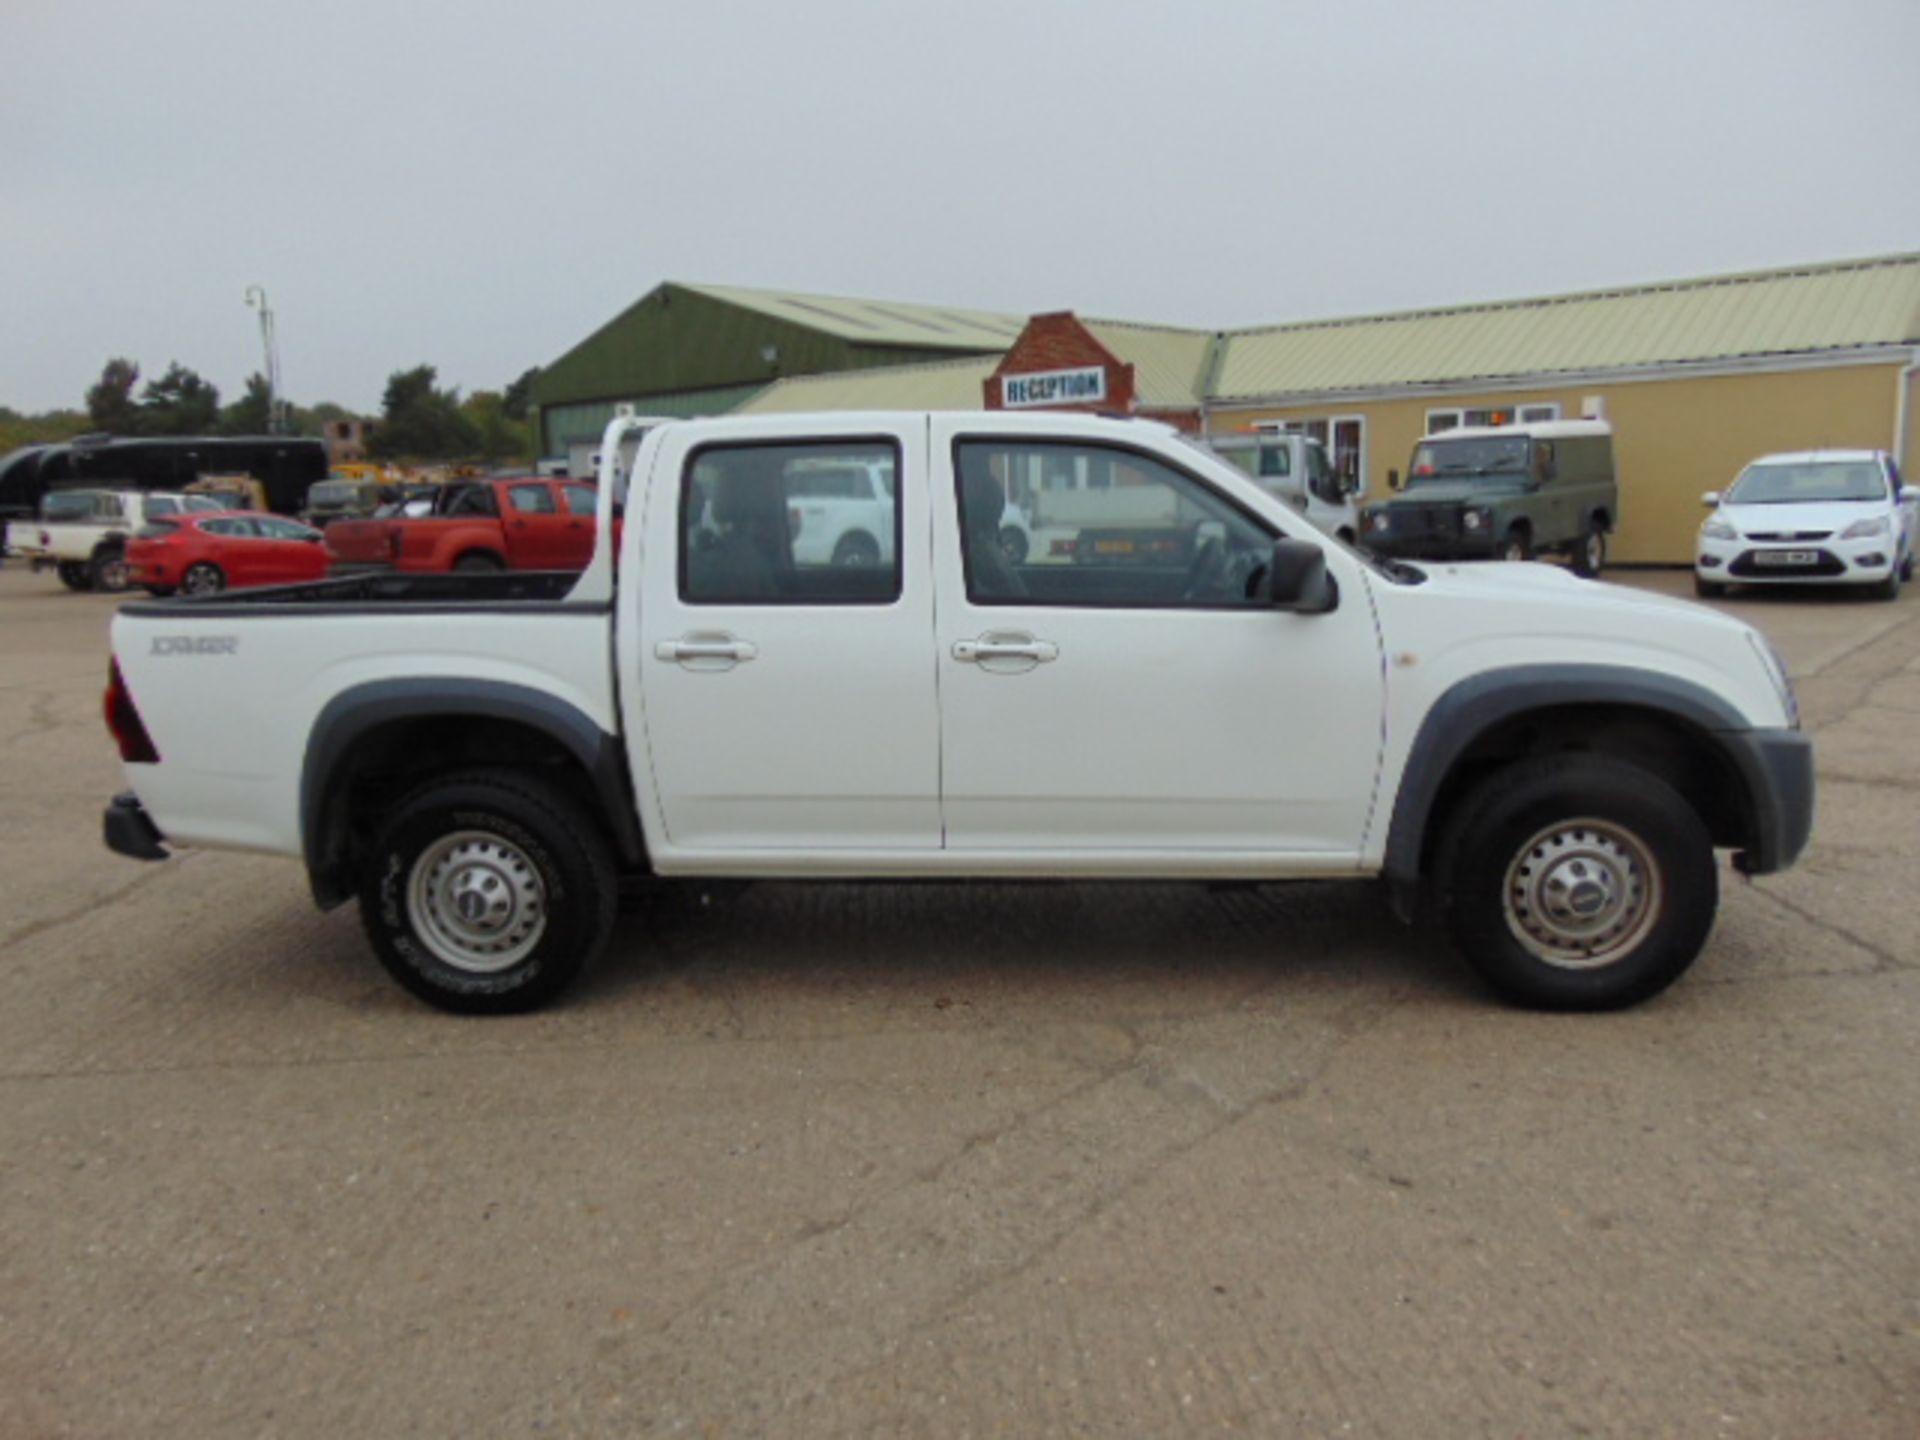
x: 83, y: 533
x: 1219, y: 692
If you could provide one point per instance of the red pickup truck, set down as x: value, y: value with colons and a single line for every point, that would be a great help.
x: 520, y: 523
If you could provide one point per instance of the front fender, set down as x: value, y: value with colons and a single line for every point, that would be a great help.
x: 1473, y: 706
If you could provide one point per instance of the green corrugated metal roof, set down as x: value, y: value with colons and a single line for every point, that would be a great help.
x: 1169, y: 366
x: 1846, y: 305
x: 940, y: 385
x: 878, y: 322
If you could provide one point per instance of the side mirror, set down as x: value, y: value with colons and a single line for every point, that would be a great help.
x: 1710, y: 499
x: 1393, y: 479
x: 1297, y: 578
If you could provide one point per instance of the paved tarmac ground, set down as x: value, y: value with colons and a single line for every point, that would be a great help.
x: 953, y: 1160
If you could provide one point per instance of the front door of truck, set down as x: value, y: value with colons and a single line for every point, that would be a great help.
x: 785, y: 700
x: 1123, y: 694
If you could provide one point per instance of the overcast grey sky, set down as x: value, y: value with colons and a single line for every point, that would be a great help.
x: 478, y: 185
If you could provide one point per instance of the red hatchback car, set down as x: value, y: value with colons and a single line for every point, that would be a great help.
x: 199, y: 554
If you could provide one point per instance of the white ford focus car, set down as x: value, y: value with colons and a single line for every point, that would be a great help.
x: 1819, y: 517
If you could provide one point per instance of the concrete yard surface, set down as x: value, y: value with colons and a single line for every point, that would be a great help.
x: 954, y: 1160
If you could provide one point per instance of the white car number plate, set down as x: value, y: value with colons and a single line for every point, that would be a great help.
x: 1787, y: 557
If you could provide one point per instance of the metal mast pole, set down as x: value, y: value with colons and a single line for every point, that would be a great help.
x: 257, y: 300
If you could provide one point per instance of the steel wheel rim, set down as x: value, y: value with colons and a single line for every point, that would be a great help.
x: 1596, y: 550
x: 113, y: 575
x: 1581, y: 894
x: 476, y: 900
x: 1514, y: 551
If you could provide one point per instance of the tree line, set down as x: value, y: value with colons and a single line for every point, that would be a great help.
x: 419, y: 421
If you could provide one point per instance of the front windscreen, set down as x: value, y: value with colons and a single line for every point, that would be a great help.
x: 1491, y: 455
x: 1812, y: 480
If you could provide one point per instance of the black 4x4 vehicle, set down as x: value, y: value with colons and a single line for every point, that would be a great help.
x: 1512, y: 492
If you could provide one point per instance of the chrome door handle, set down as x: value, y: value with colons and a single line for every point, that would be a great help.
x: 1038, y: 651
x: 682, y: 650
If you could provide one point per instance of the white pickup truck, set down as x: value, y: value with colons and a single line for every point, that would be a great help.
x: 1550, y: 762
x: 82, y: 534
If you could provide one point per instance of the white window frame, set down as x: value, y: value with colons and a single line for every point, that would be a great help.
x: 1525, y: 412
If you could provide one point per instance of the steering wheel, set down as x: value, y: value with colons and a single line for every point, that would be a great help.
x: 1209, y: 565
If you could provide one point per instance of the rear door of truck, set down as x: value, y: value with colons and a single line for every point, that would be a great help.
x: 774, y: 703
x: 535, y: 524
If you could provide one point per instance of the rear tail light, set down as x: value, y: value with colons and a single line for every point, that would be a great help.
x: 123, y: 720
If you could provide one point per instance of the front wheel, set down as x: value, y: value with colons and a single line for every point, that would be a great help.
x: 203, y: 578
x: 1578, y: 882
x: 487, y: 892
x: 1013, y: 544
x: 1889, y: 588
x: 1708, y: 589
x: 1517, y: 546
x: 1590, y: 556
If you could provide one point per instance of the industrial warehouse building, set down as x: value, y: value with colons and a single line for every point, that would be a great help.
x: 1696, y: 376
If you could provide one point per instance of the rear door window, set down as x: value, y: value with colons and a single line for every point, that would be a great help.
x: 807, y: 523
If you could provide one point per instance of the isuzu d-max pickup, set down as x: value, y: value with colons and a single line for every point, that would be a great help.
x: 1545, y: 764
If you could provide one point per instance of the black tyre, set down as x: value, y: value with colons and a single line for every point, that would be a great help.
x: 203, y: 578
x: 159, y: 592
x: 1013, y: 544
x: 109, y: 571
x: 479, y: 563
x: 487, y: 892
x: 1708, y: 589
x: 857, y: 550
x: 1889, y: 588
x: 1578, y: 882
x: 1590, y: 554
x: 1517, y: 546
x: 75, y: 575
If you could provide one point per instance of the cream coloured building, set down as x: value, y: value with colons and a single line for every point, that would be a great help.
x: 1697, y: 377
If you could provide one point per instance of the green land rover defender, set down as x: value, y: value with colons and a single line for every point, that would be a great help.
x: 1509, y: 493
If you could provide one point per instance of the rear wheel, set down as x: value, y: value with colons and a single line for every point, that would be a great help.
x: 1590, y: 555
x: 1578, y: 882
x: 203, y: 578
x: 75, y: 576
x: 858, y: 550
x: 478, y: 563
x: 1013, y: 544
x: 108, y: 571
x: 487, y: 892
